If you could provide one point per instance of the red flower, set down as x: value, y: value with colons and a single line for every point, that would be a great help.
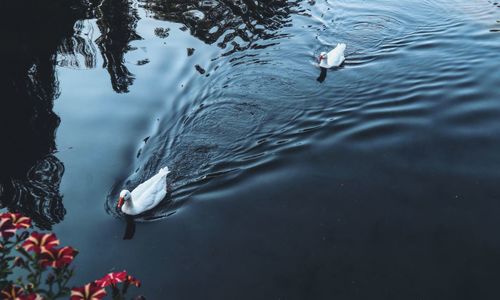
x: 57, y: 258
x: 19, y: 221
x: 16, y: 293
x: 117, y: 277
x: 112, y: 279
x: 39, y: 242
x: 11, y: 292
x: 90, y: 291
x: 7, y: 229
x: 30, y: 297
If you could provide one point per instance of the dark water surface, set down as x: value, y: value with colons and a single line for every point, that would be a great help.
x: 383, y: 181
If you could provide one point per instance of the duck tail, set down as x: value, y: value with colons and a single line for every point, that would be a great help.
x: 164, y: 171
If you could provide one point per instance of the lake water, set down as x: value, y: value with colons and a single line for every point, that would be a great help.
x: 382, y: 181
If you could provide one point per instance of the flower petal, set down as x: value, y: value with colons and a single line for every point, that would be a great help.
x: 39, y: 242
x: 7, y: 229
x: 88, y: 292
x: 57, y: 258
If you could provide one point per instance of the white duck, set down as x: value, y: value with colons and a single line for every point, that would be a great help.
x: 333, y: 58
x: 146, y: 195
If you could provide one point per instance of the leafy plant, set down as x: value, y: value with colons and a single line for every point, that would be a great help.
x: 43, y: 268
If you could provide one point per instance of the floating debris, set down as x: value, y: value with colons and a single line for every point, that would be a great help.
x: 142, y: 62
x: 200, y: 69
x: 190, y: 51
x: 162, y: 32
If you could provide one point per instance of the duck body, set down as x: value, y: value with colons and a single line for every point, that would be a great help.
x: 334, y: 58
x: 146, y: 195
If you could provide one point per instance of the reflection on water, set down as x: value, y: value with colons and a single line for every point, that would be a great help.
x: 210, y: 135
x: 496, y: 26
x: 232, y: 25
x: 249, y: 114
x: 29, y: 174
x: 78, y: 51
x: 29, y: 166
x: 37, y: 195
x: 393, y: 156
x: 117, y: 20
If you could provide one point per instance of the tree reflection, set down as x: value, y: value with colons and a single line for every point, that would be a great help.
x: 78, y: 51
x: 37, y: 195
x: 233, y: 24
x: 117, y: 21
x: 29, y: 174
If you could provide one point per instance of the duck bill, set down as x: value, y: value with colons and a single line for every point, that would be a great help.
x: 120, y: 202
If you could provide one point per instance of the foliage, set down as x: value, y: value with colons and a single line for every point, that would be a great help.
x: 43, y: 268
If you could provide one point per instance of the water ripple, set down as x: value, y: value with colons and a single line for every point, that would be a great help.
x: 401, y: 78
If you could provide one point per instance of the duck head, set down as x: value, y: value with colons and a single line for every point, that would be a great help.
x: 124, y: 196
x: 322, y: 56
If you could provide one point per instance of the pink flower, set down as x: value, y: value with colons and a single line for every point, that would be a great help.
x: 39, y: 242
x: 90, y: 291
x: 117, y: 277
x: 112, y: 279
x: 57, y: 258
x: 19, y: 221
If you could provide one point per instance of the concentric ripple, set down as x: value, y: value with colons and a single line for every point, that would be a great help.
x: 408, y: 72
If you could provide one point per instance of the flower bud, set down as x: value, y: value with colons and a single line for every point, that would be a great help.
x: 30, y: 287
